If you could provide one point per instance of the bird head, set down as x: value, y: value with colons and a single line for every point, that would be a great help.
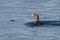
x: 33, y: 14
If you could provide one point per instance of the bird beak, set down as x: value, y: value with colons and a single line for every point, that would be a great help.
x: 32, y: 15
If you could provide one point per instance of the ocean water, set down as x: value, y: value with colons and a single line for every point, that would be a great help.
x: 20, y: 11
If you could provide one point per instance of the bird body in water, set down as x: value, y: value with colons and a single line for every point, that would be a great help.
x: 36, y: 22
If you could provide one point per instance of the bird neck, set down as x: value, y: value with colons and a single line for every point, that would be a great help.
x: 36, y: 18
